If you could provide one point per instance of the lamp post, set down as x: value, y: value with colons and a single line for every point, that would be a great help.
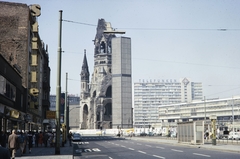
x: 232, y: 115
x: 58, y: 88
x: 204, y: 110
x: 66, y: 110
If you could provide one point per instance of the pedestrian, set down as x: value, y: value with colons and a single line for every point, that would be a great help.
x: 12, y: 143
x: 25, y: 142
x: 131, y: 134
x: 30, y: 140
x: 36, y: 139
x: 45, y: 139
x: 40, y: 139
x: 3, y: 139
x: 21, y: 141
x: 70, y: 138
x: 4, y: 153
x: 33, y: 139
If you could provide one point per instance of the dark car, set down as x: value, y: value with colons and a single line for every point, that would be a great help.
x: 143, y: 134
x: 76, y: 137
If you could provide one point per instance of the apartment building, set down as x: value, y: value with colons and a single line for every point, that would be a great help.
x: 26, y: 53
x: 226, y: 110
x: 149, y: 95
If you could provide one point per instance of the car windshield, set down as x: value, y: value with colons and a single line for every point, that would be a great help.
x: 76, y: 135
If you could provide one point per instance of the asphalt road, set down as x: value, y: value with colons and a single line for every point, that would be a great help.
x: 133, y: 149
x: 107, y: 147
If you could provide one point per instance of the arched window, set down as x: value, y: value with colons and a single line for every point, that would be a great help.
x: 94, y: 94
x: 109, y: 92
x: 102, y: 47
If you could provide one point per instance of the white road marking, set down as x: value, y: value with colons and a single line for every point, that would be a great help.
x: 201, y: 155
x: 176, y: 150
x: 139, y: 144
x: 110, y: 157
x: 158, y: 156
x: 160, y: 147
x: 130, y: 148
x: 142, y: 152
x: 87, y: 150
x: 117, y: 144
x: 95, y: 149
x: 148, y: 145
x: 123, y: 146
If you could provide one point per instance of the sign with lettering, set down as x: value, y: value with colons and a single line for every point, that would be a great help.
x: 50, y: 114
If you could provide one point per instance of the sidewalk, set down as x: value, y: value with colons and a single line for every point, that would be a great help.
x: 218, y: 146
x: 47, y: 153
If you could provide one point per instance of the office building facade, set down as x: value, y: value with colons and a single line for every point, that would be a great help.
x: 149, y: 95
x: 227, y: 112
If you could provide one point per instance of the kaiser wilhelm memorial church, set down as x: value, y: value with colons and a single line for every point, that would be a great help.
x: 106, y: 99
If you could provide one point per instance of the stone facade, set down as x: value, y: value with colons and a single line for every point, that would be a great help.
x: 21, y: 46
x: 96, y: 107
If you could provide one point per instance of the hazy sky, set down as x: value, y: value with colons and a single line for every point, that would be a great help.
x: 171, y: 39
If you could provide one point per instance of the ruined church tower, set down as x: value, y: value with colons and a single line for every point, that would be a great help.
x: 96, y: 108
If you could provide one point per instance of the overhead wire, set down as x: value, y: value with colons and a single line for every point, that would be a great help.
x: 163, y: 29
x: 173, y: 29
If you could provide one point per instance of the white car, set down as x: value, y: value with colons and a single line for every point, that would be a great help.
x: 234, y: 135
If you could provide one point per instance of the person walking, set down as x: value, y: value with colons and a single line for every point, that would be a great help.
x: 21, y: 141
x: 4, y: 153
x: 45, y: 139
x: 25, y: 142
x: 30, y: 141
x: 40, y: 138
x: 70, y: 138
x: 36, y: 139
x: 3, y: 139
x: 12, y: 143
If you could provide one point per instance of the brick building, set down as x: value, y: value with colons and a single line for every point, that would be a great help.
x: 25, y: 52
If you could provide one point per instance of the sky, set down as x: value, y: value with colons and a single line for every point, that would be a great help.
x: 171, y: 39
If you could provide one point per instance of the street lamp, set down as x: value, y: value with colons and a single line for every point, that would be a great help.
x: 58, y: 88
x: 66, y: 110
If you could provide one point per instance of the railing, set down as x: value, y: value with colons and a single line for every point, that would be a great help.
x: 223, y: 141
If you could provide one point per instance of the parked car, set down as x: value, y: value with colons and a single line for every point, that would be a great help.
x: 76, y: 137
x: 234, y: 135
x: 143, y: 134
x: 173, y: 134
x: 151, y: 134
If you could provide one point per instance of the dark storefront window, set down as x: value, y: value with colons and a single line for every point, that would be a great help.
x: 7, y: 89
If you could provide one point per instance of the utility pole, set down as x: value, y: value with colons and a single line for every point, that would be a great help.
x: 58, y: 89
x: 66, y: 112
x: 204, y: 110
x: 232, y: 114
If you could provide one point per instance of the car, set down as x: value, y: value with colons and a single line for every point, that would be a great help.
x: 234, y: 135
x: 76, y: 137
x: 143, y: 134
x: 151, y: 134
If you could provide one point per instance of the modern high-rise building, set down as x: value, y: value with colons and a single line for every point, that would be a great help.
x: 122, y: 82
x: 150, y: 94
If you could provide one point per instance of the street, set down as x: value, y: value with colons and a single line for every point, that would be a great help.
x: 129, y: 149
x: 107, y: 147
